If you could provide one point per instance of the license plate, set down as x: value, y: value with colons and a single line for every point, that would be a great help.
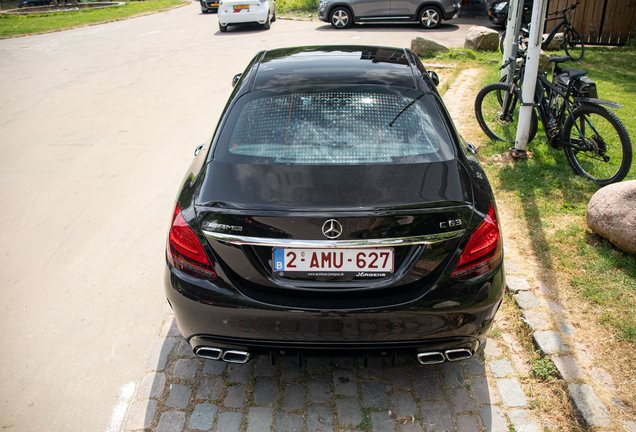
x: 334, y: 262
x: 215, y: 5
x: 237, y: 7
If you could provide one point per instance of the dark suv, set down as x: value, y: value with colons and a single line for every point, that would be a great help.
x: 428, y: 13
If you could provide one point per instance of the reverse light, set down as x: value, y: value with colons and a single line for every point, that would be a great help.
x: 185, y: 252
x: 483, y: 251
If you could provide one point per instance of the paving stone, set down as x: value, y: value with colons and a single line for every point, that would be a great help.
x: 314, y: 364
x: 398, y: 377
x: 511, y: 267
x: 171, y: 421
x: 543, y: 289
x: 565, y: 328
x: 236, y: 397
x: 522, y: 421
x: 629, y: 426
x: 453, y: 374
x: 319, y: 390
x: 468, y: 423
x: 265, y: 391
x: 294, y: 397
x: 319, y: 418
x: 520, y: 364
x: 516, y: 284
x: 374, y: 395
x: 185, y: 368
x: 263, y: 366
x: 159, y: 357
x: 202, y: 417
x: 348, y: 411
x: 229, y: 422
x: 482, y: 392
x: 239, y: 373
x: 511, y: 393
x: 211, y: 389
x: 259, y: 419
x: 214, y: 367
x: 403, y: 404
x: 474, y: 366
x: 290, y: 369
x: 526, y: 300
x: 491, y: 349
x: 344, y: 363
x: 179, y: 396
x: 185, y: 349
x: 152, y: 386
x: 604, y: 378
x: 142, y: 413
x: 373, y: 370
x: 493, y: 418
x: 345, y: 383
x: 381, y: 422
x: 436, y: 416
x: 411, y: 426
x: 549, y: 342
x: 427, y: 383
x: 535, y: 319
x: 568, y: 367
x: 589, y: 406
x: 500, y: 368
x: 289, y: 422
x: 460, y: 400
x: 555, y: 307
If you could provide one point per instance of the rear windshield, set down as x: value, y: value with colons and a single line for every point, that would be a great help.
x: 334, y: 127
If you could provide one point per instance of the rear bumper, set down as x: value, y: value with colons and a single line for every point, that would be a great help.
x: 220, y: 316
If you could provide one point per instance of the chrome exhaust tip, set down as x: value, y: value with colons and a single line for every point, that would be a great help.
x: 233, y: 356
x: 458, y: 354
x: 208, y: 352
x: 430, y: 358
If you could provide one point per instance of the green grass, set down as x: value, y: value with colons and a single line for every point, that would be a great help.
x: 286, y: 6
x: 13, y: 25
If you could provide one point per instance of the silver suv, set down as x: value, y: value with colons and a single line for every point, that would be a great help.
x: 429, y: 13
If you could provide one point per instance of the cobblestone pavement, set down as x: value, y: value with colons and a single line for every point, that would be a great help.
x: 181, y: 392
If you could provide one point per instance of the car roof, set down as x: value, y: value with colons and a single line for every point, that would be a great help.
x: 329, y: 65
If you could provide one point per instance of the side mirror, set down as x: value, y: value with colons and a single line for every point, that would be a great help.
x: 198, y: 150
x: 434, y: 77
x: 236, y: 78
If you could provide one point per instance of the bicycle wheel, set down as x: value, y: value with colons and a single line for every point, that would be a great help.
x: 604, y: 150
x: 573, y: 44
x: 490, y: 115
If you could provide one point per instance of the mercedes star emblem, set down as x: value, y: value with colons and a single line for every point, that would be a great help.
x: 332, y: 229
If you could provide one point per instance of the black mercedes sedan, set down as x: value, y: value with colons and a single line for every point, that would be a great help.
x: 335, y: 211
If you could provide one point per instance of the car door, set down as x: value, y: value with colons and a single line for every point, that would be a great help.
x: 369, y: 9
x: 404, y: 8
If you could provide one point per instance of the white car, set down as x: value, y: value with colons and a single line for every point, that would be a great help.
x: 233, y: 12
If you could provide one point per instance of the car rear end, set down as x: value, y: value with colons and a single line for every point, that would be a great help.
x: 243, y: 12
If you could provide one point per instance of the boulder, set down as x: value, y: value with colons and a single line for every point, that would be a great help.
x: 425, y: 47
x: 481, y: 38
x: 555, y: 44
x: 611, y: 213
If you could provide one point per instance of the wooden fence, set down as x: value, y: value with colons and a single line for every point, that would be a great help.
x: 600, y: 22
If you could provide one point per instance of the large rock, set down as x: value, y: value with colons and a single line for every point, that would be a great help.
x: 611, y: 213
x: 555, y: 44
x: 426, y: 48
x: 481, y: 38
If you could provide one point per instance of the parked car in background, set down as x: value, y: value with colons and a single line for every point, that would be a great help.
x: 336, y: 210
x: 498, y: 12
x: 209, y: 6
x: 32, y: 3
x: 428, y: 13
x: 235, y: 12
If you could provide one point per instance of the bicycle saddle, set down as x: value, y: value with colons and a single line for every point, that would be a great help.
x: 558, y: 59
x: 573, y: 73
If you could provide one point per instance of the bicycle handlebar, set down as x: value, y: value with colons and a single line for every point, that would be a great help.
x: 564, y: 10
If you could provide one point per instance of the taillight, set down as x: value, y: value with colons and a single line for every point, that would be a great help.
x: 185, y: 252
x: 483, y: 251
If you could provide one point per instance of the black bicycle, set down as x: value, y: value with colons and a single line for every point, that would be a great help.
x: 572, y: 40
x: 595, y: 141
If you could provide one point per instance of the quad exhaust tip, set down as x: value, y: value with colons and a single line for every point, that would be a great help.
x: 230, y: 356
x: 435, y: 357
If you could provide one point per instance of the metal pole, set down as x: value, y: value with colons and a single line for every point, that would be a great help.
x: 530, y: 78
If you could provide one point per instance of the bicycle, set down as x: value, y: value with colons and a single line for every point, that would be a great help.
x: 572, y: 40
x: 595, y: 141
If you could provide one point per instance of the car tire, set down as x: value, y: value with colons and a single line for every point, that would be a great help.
x: 340, y: 18
x: 222, y: 28
x: 430, y: 17
x: 203, y: 9
x: 268, y: 22
x: 274, y: 16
